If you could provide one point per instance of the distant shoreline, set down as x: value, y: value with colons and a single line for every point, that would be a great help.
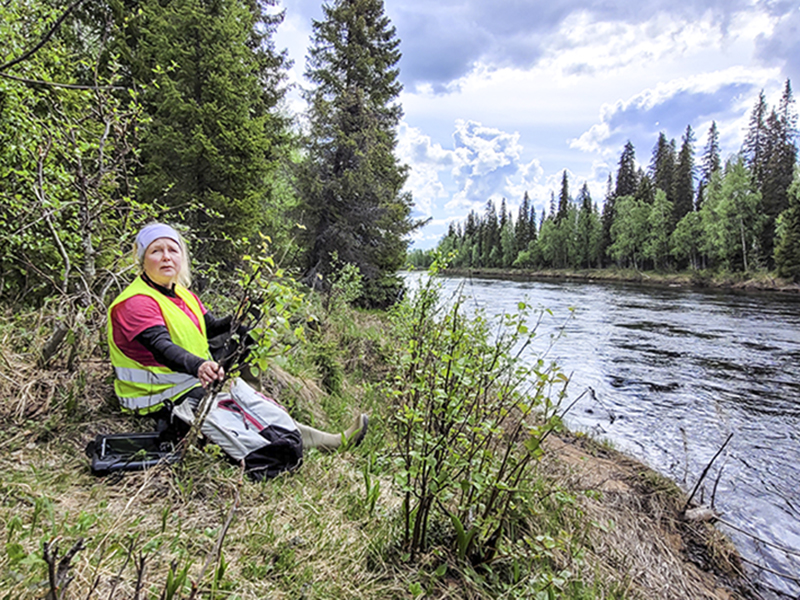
x: 697, y: 279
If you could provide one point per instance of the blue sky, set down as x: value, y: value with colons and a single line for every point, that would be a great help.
x: 501, y: 97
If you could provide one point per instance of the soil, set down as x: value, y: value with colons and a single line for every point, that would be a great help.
x: 645, y: 533
x: 739, y: 282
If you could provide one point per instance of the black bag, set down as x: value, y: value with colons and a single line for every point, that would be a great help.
x: 249, y: 426
x: 130, y: 451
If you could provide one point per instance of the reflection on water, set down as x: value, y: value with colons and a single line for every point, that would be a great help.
x: 674, y: 372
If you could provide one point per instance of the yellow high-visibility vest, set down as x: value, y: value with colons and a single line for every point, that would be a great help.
x: 144, y: 389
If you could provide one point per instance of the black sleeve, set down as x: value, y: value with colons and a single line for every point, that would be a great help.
x: 215, y: 326
x: 158, y: 341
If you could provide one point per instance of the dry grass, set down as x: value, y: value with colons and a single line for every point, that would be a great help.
x: 307, y: 534
x: 643, y: 538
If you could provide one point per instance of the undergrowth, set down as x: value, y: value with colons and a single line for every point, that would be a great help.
x: 446, y: 497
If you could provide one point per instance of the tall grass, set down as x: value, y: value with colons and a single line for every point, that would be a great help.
x: 448, y: 496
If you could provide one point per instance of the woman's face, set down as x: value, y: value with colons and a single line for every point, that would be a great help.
x: 162, y: 261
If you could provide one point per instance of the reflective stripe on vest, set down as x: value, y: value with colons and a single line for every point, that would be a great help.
x: 150, y: 378
x: 178, y: 383
x: 143, y: 388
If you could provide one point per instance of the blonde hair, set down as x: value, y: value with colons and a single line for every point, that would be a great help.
x: 184, y: 276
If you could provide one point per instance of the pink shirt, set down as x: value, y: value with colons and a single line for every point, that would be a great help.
x: 132, y: 316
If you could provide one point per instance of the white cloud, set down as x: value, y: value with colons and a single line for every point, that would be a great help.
x: 426, y: 160
x: 671, y: 105
x: 501, y: 97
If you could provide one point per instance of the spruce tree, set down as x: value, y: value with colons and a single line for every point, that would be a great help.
x: 533, y: 224
x: 627, y: 180
x: 352, y: 184
x: 522, y: 226
x: 627, y: 184
x: 563, y: 199
x: 504, y: 217
x: 683, y: 191
x: 586, y: 229
x: 755, y: 141
x: 662, y: 165
x: 710, y: 162
x: 214, y: 134
x: 490, y: 235
x: 607, y: 219
x: 787, y: 247
x: 644, y: 190
x: 779, y: 165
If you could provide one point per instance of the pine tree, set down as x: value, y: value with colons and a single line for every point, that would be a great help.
x: 353, y: 183
x: 683, y: 194
x: 214, y: 134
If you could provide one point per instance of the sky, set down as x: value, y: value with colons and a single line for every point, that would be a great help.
x: 501, y: 97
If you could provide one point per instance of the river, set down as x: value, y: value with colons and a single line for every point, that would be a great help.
x: 675, y: 371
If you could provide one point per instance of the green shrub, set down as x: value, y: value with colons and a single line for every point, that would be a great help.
x: 470, y: 415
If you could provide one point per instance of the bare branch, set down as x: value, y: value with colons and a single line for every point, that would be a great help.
x: 68, y: 86
x: 705, y: 471
x: 141, y: 567
x: 121, y: 569
x: 40, y: 194
x: 58, y: 570
x: 215, y: 552
x: 45, y: 39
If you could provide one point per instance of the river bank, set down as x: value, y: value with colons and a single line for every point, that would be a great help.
x: 673, y: 371
x: 605, y: 525
x: 308, y: 534
x: 693, y: 279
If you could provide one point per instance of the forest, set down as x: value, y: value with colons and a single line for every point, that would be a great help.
x: 683, y: 212
x: 117, y: 112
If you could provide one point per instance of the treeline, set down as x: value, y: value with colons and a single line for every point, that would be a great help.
x: 117, y: 112
x: 682, y: 212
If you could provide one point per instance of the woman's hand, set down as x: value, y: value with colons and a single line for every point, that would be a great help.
x: 209, y: 372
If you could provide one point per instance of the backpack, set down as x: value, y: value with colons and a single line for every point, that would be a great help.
x: 252, y: 428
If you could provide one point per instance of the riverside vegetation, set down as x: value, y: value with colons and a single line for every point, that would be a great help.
x: 465, y: 487
x: 114, y: 113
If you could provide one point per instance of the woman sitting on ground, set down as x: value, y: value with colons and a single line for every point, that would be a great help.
x: 158, y: 334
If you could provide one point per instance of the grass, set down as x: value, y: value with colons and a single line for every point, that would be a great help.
x: 330, y: 530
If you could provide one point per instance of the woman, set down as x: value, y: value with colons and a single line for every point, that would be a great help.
x: 158, y: 334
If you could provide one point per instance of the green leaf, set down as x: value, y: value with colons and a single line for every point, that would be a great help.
x: 15, y: 552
